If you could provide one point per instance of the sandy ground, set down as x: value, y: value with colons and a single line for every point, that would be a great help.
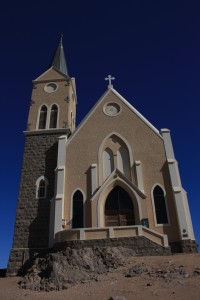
x: 115, y: 283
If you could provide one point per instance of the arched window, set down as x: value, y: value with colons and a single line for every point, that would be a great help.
x: 123, y: 161
x: 53, y: 116
x: 114, y: 152
x: 77, y: 220
x: 41, y: 193
x: 160, y: 205
x: 41, y: 187
x: 43, y: 117
x: 108, y: 162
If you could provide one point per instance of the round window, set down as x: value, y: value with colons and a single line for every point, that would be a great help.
x: 50, y: 87
x: 112, y: 109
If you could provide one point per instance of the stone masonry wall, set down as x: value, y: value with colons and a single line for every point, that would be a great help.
x: 32, y: 217
x: 22, y: 260
x: 185, y: 246
x: 140, y: 245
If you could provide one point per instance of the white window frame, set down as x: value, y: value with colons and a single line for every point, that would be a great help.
x: 100, y: 151
x: 38, y: 116
x: 48, y: 116
x: 37, y: 184
x: 154, y: 209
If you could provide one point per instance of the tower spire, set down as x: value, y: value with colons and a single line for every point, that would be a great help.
x: 59, y: 61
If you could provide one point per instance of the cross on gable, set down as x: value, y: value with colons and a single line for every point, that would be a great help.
x: 110, y: 78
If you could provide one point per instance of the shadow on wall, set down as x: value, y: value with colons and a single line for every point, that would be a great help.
x: 84, y: 209
x: 171, y: 209
x: 39, y: 228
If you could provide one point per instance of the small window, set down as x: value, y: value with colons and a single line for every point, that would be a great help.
x: 43, y: 117
x: 160, y: 205
x: 42, y: 189
x: 53, y: 116
x: 123, y: 161
x: 108, y: 162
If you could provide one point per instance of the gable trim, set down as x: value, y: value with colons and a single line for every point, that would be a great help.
x: 125, y: 102
x: 87, y: 117
x: 52, y: 68
x: 117, y: 174
x: 137, y: 113
x: 105, y: 190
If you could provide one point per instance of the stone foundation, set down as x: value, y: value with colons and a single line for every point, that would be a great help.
x: 22, y: 259
x: 185, y: 246
x: 139, y: 244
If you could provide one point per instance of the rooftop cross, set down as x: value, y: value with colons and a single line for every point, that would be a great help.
x: 110, y: 78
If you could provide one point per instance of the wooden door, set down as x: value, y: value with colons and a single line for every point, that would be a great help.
x: 119, y: 209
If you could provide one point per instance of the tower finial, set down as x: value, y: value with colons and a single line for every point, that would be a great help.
x: 61, y: 37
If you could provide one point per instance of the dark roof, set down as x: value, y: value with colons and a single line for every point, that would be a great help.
x: 58, y: 60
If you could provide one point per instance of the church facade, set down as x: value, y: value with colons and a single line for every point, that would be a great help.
x: 113, y: 176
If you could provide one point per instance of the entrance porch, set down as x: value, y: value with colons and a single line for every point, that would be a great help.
x: 111, y: 232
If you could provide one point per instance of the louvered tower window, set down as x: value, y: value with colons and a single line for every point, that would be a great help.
x: 53, y: 116
x: 43, y: 117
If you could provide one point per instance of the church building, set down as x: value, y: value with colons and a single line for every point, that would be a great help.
x: 114, y: 176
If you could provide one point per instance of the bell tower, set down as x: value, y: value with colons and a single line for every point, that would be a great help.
x: 53, y: 103
x: 52, y: 114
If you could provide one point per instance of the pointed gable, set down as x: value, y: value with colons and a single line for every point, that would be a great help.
x: 51, y: 74
x: 104, y: 107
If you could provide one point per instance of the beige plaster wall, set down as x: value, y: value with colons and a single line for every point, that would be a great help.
x: 39, y: 97
x: 147, y: 146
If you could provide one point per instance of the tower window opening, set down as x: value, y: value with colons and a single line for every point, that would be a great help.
x: 41, y: 189
x: 53, y: 116
x: 43, y: 117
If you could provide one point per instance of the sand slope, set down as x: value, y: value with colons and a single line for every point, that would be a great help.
x: 174, y: 277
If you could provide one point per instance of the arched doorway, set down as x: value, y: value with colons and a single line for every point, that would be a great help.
x: 119, y: 210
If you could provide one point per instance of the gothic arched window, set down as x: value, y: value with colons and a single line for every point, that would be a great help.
x: 53, y: 116
x: 123, y: 161
x: 77, y: 219
x: 160, y: 205
x: 41, y: 187
x: 43, y: 117
x: 108, y: 162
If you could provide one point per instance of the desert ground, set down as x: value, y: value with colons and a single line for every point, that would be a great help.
x: 154, y: 277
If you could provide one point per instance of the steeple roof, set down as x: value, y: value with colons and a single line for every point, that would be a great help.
x: 58, y: 60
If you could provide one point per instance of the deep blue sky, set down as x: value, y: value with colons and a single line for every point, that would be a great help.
x: 151, y: 47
